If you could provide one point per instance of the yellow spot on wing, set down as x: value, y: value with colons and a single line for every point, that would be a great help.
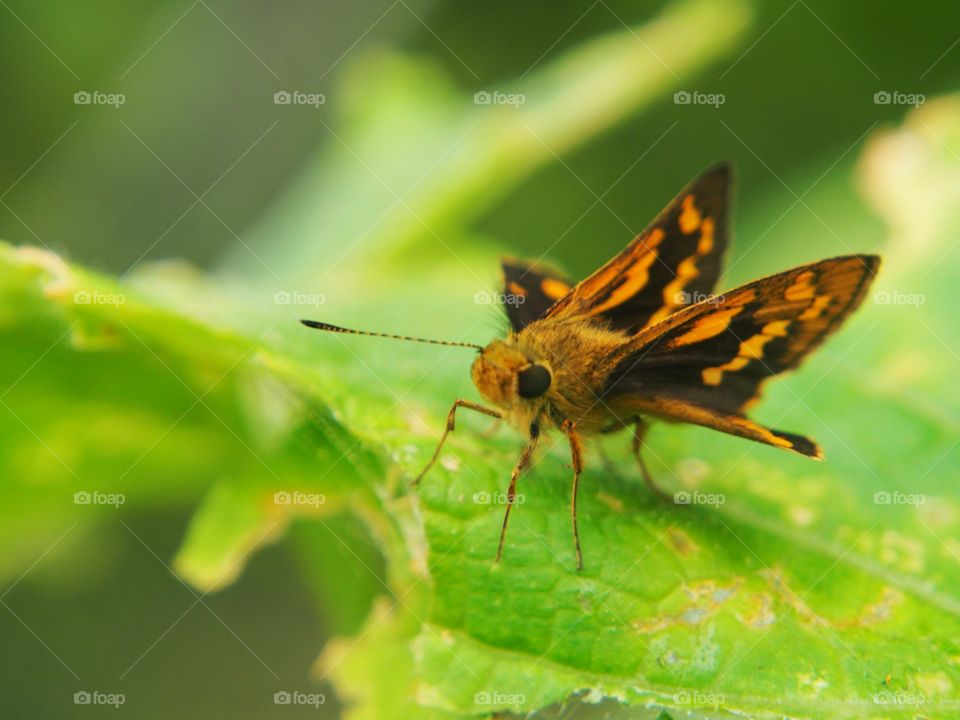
x: 708, y: 326
x: 673, y: 295
x: 712, y: 375
x: 689, y: 215
x: 636, y: 273
x: 819, y: 305
x: 706, y: 237
x: 516, y: 289
x: 777, y: 328
x: 801, y: 288
x: 554, y: 289
x: 750, y: 349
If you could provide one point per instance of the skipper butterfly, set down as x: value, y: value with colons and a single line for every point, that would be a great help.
x: 644, y: 338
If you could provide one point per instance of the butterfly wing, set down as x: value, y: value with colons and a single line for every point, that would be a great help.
x: 530, y: 289
x: 675, y: 262
x: 705, y: 364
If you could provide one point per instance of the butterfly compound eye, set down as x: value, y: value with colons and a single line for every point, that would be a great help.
x: 534, y: 381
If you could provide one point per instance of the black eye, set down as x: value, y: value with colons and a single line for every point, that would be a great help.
x: 533, y: 381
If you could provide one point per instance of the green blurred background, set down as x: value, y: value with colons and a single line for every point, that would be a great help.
x: 200, y: 164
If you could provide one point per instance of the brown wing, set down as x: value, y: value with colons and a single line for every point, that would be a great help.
x: 675, y: 262
x: 705, y: 364
x: 529, y: 290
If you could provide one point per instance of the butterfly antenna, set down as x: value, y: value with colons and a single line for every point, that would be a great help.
x: 337, y: 329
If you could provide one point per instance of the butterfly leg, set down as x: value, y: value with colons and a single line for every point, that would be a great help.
x: 639, y: 430
x: 451, y: 418
x: 522, y: 463
x: 576, y: 457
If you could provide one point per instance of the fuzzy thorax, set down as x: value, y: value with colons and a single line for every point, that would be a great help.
x: 575, y: 354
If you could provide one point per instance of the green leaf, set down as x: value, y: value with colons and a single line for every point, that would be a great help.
x: 788, y: 588
x: 805, y: 592
x: 813, y: 590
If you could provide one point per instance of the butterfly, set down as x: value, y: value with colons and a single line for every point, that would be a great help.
x: 644, y: 338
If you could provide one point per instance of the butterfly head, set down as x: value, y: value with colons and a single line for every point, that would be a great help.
x: 505, y: 376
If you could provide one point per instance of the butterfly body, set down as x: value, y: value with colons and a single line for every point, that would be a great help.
x: 576, y: 356
x: 645, y: 337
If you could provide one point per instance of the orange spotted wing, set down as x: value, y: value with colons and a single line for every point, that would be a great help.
x: 705, y: 364
x: 529, y: 290
x: 675, y: 262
